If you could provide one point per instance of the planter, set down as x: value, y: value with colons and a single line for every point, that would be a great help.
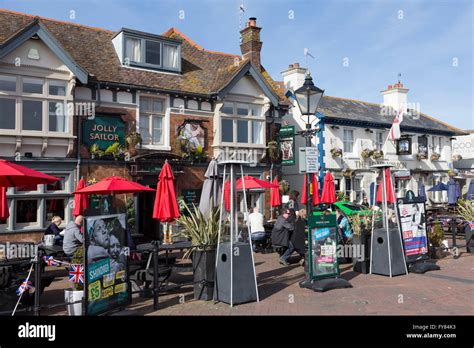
x: 73, y: 296
x: 436, y: 252
x: 362, y: 266
x: 204, y: 270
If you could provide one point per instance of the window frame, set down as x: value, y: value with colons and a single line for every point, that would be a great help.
x: 379, y: 145
x: 143, y: 62
x: 164, y: 123
x: 249, y: 118
x: 344, y: 141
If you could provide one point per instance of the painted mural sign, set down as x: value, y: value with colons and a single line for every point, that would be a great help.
x: 103, y: 131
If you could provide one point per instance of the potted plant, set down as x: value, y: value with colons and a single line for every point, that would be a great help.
x: 435, y: 156
x: 96, y: 151
x: 203, y: 232
x: 366, y: 153
x: 273, y: 151
x: 420, y: 156
x: 362, y: 227
x: 436, y: 238
x: 336, y: 152
x: 457, y: 157
x: 76, y: 293
x: 132, y: 140
x: 116, y: 150
x: 340, y: 196
x: 466, y: 210
x: 377, y: 154
x: 284, y: 187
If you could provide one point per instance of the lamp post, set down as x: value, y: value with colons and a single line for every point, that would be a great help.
x: 308, y: 97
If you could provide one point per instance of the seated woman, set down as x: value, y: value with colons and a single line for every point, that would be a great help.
x: 54, y: 229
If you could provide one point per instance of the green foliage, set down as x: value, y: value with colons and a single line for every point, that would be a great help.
x: 284, y: 187
x: 78, y: 259
x: 466, y: 209
x: 96, y: 151
x: 115, y: 149
x: 133, y: 139
x: 436, y: 234
x: 201, y: 230
x: 340, y: 196
x: 130, y: 209
x: 361, y: 222
x: 273, y: 151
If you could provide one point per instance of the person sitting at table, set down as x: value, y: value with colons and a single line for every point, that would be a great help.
x: 281, y: 236
x: 73, y: 237
x: 257, y: 231
x: 53, y: 229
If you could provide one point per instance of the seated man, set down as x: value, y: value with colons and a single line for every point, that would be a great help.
x: 256, y: 227
x: 73, y: 237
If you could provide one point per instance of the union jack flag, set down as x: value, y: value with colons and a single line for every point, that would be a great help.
x: 76, y: 274
x: 25, y: 285
x: 50, y: 261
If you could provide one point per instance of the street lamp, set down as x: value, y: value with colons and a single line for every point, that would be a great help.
x: 308, y: 97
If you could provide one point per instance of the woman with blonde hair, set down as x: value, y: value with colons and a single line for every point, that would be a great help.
x: 300, y: 234
x: 54, y: 229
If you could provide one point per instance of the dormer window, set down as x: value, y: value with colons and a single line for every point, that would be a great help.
x: 149, y: 51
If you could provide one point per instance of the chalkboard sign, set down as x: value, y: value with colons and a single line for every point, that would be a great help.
x: 107, y: 285
x: 323, y: 246
x: 191, y: 197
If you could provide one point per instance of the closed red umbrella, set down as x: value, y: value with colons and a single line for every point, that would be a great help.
x: 81, y: 201
x: 316, y: 199
x: 12, y: 175
x: 275, y: 199
x: 303, y: 192
x: 329, y: 191
x: 389, y: 188
x: 166, y: 205
x: 114, y: 185
x: 227, y: 195
x: 4, y: 212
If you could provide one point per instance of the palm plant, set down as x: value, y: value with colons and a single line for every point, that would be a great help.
x: 203, y: 231
x: 466, y: 209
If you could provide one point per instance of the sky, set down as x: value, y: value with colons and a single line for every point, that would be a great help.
x: 360, y: 46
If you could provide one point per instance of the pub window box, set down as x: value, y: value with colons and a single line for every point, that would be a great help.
x: 336, y: 152
x: 404, y: 146
x: 377, y: 154
x: 435, y: 156
x: 421, y: 156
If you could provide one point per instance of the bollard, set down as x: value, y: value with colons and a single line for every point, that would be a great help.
x: 37, y: 305
x: 155, y: 276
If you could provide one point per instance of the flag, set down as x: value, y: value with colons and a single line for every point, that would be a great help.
x: 25, y: 285
x: 395, y: 132
x: 50, y: 261
x: 76, y: 274
x: 306, y: 53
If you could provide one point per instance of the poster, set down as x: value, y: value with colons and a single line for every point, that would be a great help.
x: 413, y: 227
x: 107, y: 283
x: 323, y: 246
x: 287, y: 145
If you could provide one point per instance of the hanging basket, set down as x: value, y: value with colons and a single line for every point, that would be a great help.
x: 435, y: 156
x: 336, y: 152
x: 377, y: 154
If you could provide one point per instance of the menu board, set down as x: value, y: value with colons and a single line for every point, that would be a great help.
x: 323, y: 246
x: 411, y: 212
x: 107, y: 284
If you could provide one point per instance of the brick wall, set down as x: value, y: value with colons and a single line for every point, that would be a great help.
x: 26, y: 237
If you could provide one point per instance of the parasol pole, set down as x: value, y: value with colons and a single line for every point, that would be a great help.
x: 232, y: 227
x: 373, y: 222
x: 271, y: 206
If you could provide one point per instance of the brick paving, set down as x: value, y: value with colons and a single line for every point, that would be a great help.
x: 448, y: 291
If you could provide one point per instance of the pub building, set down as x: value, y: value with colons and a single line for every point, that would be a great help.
x: 137, y: 99
x: 421, y: 156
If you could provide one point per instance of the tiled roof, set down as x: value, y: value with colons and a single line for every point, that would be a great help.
x: 203, y: 72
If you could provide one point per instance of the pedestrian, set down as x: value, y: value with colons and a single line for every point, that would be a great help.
x: 365, y: 203
x: 257, y: 231
x: 293, y: 201
x: 298, y: 237
x: 281, y: 236
x: 343, y: 225
x: 73, y: 237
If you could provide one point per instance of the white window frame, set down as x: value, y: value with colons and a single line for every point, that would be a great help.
x: 165, y: 146
x: 249, y: 118
x: 344, y: 141
x: 379, y: 145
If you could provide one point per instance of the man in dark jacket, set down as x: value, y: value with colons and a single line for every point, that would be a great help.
x: 281, y: 235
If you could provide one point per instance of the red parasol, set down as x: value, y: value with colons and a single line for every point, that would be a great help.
x: 114, y: 185
x: 315, y: 185
x: 329, y: 192
x: 81, y: 201
x: 227, y: 195
x: 275, y: 199
x: 4, y: 212
x: 389, y: 189
x: 252, y: 183
x: 166, y: 206
x: 303, y: 191
x: 12, y: 174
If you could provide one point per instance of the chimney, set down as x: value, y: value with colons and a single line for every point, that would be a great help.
x: 395, y: 96
x: 251, y: 44
x: 294, y: 76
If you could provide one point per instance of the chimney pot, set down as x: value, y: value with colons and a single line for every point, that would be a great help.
x: 290, y: 66
x: 389, y: 86
x: 296, y: 65
x: 252, y: 22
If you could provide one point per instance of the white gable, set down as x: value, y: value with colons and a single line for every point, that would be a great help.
x: 248, y: 87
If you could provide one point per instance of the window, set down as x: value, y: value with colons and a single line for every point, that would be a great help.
x: 348, y: 182
x: 151, y: 121
x: 26, y: 188
x: 7, y: 83
x: 379, y: 141
x: 152, y: 53
x: 32, y: 115
x: 26, y: 211
x: 242, y: 124
x: 57, y: 118
x: 404, y: 146
x: 32, y: 86
x: 348, y: 140
x: 57, y: 88
x: 57, y: 185
x: 54, y: 207
x: 7, y: 113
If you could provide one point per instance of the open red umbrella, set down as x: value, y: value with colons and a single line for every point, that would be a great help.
x: 315, y: 185
x: 4, y: 212
x: 388, y: 187
x: 114, y: 185
x: 81, y: 201
x: 304, y: 199
x: 252, y: 183
x: 166, y: 206
x: 329, y: 192
x: 275, y: 199
x: 12, y: 175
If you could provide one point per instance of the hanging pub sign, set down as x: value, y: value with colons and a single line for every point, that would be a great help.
x: 286, y: 138
x: 107, y: 285
x: 323, y: 248
x: 103, y: 131
x: 411, y: 212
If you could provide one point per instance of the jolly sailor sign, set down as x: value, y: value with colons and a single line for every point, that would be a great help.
x: 104, y: 131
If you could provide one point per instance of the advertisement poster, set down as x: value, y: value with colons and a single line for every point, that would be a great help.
x: 413, y: 226
x: 107, y: 283
x: 323, y: 246
x: 287, y: 145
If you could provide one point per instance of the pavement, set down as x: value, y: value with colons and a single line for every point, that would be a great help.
x: 448, y: 291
